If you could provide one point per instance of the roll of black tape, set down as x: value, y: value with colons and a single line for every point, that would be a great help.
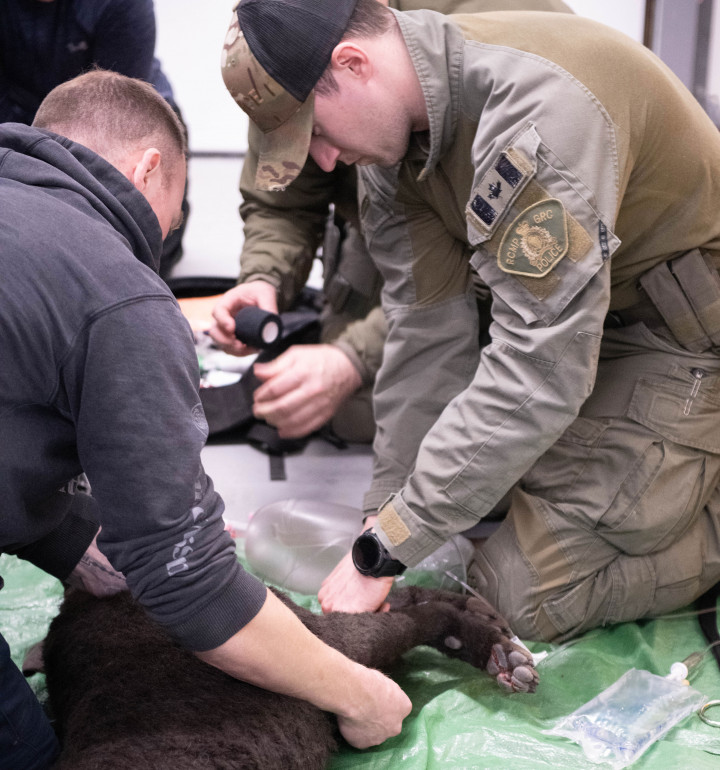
x: 257, y: 328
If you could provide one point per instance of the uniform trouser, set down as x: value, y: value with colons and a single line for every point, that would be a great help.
x: 620, y: 519
x: 27, y: 740
x: 354, y: 421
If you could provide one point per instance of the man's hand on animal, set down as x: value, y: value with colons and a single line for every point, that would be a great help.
x: 346, y: 590
x: 86, y: 657
x: 258, y: 293
x: 377, y: 714
x: 370, y: 707
x: 303, y: 388
x: 95, y: 574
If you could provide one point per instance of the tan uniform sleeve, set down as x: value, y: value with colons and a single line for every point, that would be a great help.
x: 363, y: 341
x: 282, y: 230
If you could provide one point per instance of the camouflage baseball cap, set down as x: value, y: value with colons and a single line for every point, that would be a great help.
x: 274, y: 53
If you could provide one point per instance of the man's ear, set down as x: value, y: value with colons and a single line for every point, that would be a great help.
x: 146, y: 169
x: 352, y: 58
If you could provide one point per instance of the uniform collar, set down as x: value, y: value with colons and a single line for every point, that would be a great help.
x: 435, y: 45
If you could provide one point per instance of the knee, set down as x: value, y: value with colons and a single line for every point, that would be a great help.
x: 354, y: 421
x: 514, y: 594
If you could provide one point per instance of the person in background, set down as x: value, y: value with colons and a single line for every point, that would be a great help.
x: 45, y: 42
x: 104, y: 381
x: 311, y: 385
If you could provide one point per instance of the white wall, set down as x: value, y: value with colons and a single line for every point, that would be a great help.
x: 713, y: 85
x: 626, y: 15
x: 190, y: 35
x: 189, y: 41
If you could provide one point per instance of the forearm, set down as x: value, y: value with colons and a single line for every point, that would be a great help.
x: 276, y: 652
x: 488, y: 436
x: 140, y: 432
x: 276, y: 253
x: 430, y: 355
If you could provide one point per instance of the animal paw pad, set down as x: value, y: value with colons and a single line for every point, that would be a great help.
x: 513, y: 670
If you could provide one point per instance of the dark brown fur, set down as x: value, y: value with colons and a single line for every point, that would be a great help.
x: 125, y: 696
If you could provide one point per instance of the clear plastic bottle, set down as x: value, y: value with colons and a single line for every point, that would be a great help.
x: 296, y: 543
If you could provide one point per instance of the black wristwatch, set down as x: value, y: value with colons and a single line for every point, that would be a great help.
x: 371, y: 558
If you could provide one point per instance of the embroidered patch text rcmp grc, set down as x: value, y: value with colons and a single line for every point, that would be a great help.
x: 536, y: 240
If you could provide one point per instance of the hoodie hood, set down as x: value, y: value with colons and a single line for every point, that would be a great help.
x: 41, y: 158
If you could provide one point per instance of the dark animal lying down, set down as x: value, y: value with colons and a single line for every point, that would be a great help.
x: 125, y: 696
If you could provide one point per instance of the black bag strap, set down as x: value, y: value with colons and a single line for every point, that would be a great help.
x: 707, y: 618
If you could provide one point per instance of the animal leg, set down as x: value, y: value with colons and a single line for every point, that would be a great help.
x: 470, y: 629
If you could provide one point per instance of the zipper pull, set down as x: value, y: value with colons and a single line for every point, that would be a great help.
x: 698, y: 374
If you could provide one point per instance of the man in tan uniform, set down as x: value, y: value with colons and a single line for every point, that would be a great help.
x: 311, y: 384
x: 578, y: 177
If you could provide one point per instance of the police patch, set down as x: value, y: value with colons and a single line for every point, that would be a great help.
x: 536, y: 240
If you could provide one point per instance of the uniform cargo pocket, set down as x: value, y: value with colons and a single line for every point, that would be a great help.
x: 683, y: 406
x: 622, y: 480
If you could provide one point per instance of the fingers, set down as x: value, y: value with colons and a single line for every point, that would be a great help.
x: 294, y: 417
x: 222, y: 331
x: 94, y: 574
x: 303, y: 388
x: 284, y: 401
x: 382, y: 711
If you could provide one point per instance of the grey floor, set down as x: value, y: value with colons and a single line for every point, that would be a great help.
x: 241, y: 474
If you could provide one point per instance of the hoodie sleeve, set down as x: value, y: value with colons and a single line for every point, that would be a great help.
x: 131, y: 385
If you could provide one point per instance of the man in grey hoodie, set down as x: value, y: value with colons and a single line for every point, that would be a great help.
x: 100, y: 376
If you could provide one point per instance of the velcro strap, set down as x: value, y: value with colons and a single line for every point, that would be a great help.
x: 701, y: 284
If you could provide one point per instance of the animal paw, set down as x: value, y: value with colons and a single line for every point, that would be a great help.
x: 512, y: 667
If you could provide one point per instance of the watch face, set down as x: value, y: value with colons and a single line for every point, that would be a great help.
x: 366, y: 553
x: 370, y: 557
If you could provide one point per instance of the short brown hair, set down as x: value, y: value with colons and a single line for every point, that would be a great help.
x: 112, y: 113
x: 369, y: 19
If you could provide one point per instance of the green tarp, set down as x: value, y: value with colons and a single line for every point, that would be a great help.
x: 460, y: 718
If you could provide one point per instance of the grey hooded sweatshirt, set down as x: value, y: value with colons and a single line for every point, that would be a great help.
x: 98, y: 374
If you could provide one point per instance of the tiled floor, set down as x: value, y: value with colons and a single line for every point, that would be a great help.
x: 241, y: 474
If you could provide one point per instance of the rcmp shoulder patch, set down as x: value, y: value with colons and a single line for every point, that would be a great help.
x: 536, y: 240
